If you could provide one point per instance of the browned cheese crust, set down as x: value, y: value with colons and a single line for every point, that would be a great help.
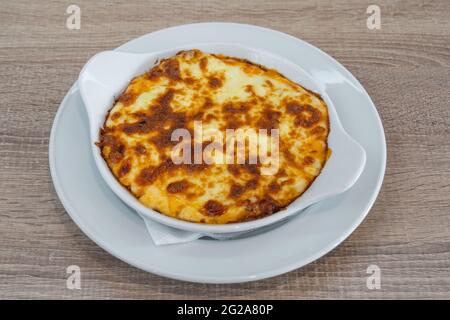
x: 223, y: 93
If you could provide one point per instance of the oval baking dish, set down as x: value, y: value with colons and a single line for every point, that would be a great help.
x: 106, y: 75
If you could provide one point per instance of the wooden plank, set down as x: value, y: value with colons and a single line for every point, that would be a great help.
x: 404, y: 66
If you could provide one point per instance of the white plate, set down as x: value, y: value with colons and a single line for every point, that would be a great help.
x: 306, y: 237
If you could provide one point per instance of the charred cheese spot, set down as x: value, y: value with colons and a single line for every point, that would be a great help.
x: 236, y: 191
x: 115, y: 116
x: 117, y: 153
x: 306, y: 115
x: 318, y: 130
x: 223, y: 93
x: 260, y: 208
x: 140, y: 149
x: 274, y: 186
x: 178, y: 186
x: 213, y: 208
x: 204, y: 64
x: 214, y: 82
x: 127, y: 98
x: 308, y: 160
x: 172, y: 69
x: 269, y: 120
x: 146, y: 176
x: 124, y: 168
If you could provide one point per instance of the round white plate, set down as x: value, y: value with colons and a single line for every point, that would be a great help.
x: 305, y: 238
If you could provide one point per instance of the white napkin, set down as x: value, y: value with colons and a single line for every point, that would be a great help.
x: 163, y: 235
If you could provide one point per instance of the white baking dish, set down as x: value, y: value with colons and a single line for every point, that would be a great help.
x: 108, y: 73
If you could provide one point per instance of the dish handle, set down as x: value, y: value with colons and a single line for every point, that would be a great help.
x: 102, y: 79
x: 346, y: 162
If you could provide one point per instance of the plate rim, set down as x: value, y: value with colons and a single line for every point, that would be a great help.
x: 237, y: 279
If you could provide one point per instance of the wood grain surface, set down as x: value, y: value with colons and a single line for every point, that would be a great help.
x: 405, y: 67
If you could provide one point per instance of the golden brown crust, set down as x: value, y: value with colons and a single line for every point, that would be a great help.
x: 223, y: 93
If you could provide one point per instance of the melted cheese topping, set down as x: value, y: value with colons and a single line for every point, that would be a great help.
x: 223, y: 93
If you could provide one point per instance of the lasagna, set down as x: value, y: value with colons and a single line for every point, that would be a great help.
x: 253, y: 140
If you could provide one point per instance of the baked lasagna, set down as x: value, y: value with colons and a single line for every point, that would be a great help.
x: 253, y: 140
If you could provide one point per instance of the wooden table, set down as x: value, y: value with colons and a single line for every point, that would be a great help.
x: 405, y: 67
